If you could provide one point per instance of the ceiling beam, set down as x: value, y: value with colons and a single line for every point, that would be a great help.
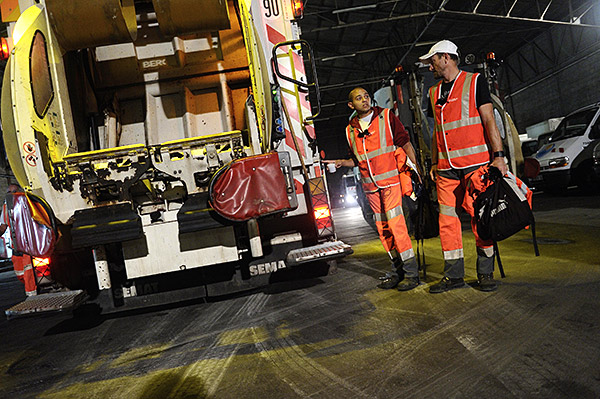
x: 521, y: 19
x: 372, y: 21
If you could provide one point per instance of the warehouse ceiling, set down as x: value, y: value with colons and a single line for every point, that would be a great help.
x: 361, y: 42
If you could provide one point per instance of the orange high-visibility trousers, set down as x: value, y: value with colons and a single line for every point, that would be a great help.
x: 451, y: 193
x: 24, y: 270
x: 386, y: 204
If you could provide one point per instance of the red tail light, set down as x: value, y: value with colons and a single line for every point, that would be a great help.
x: 322, y: 212
x: 298, y: 6
x: 4, y: 49
x: 40, y: 262
x: 320, y: 206
x: 42, y: 268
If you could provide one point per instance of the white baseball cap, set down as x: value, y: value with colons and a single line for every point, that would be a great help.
x: 443, y: 46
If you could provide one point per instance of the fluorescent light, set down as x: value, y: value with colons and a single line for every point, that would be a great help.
x: 335, y: 57
x: 357, y: 8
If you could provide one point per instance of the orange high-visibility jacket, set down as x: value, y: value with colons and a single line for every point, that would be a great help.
x: 460, y: 137
x: 375, y: 153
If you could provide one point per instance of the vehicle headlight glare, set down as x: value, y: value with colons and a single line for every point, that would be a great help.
x: 558, y: 162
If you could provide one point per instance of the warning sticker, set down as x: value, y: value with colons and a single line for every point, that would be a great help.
x: 29, y: 147
x: 31, y: 160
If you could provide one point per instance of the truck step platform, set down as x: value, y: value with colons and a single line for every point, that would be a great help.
x: 55, y: 301
x: 325, y: 251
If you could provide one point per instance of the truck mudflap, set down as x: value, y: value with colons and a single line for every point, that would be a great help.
x: 50, y: 302
x: 325, y: 251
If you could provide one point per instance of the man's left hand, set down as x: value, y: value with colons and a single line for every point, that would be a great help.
x: 500, y: 163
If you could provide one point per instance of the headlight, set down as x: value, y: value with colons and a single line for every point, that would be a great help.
x: 558, y: 162
x: 596, y: 153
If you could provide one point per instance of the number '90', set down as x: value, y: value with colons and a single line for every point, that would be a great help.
x: 271, y: 7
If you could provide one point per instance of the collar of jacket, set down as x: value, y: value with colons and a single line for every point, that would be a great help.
x: 356, y: 124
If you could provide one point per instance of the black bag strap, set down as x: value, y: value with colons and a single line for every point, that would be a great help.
x: 497, y: 253
x: 533, y: 237
x: 422, y: 265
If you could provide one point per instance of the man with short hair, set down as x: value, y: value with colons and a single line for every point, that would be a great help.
x: 22, y: 264
x: 378, y: 141
x: 465, y: 137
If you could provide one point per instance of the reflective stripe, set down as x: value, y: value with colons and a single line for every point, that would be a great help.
x: 455, y: 254
x: 512, y: 181
x: 464, y: 112
x: 464, y: 152
x: 488, y: 252
x: 19, y: 272
x: 474, y: 120
x: 383, y: 150
x: 27, y: 267
x: 448, y: 210
x: 407, y: 254
x: 379, y: 217
x: 394, y: 212
x: 30, y: 293
x: 379, y: 177
x: 377, y: 188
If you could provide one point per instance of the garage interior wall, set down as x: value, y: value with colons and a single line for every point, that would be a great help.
x: 553, y: 75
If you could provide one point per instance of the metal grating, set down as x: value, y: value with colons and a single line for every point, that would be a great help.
x: 55, y: 301
x: 324, y: 251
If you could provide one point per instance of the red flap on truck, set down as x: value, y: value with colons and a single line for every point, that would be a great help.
x: 31, y: 231
x: 250, y: 187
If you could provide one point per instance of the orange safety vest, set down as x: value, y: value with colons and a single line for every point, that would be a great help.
x: 375, y: 153
x: 459, y: 132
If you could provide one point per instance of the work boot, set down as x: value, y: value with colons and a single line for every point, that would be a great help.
x: 487, y: 282
x: 389, y: 281
x: 408, y: 283
x: 447, y: 284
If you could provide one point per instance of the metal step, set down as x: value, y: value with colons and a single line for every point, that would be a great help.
x: 328, y: 250
x: 55, y: 301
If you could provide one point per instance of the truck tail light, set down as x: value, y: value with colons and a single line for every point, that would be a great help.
x: 298, y: 8
x: 322, y: 212
x: 41, y: 262
x: 4, y: 49
x: 320, y: 206
x: 41, y: 267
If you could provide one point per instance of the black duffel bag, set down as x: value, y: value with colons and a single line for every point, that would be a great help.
x: 502, y: 209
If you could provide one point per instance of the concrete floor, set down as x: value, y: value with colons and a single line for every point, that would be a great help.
x: 338, y: 336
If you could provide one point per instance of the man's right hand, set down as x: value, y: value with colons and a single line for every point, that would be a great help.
x: 340, y: 162
x: 433, y: 172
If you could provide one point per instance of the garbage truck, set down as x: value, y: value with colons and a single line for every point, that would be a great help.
x: 172, y: 145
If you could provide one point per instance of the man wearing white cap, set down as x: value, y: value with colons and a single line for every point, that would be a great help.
x: 465, y: 137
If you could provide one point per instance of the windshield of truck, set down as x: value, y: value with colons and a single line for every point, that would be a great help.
x: 573, y: 125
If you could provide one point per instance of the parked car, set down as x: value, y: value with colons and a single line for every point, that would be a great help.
x: 566, y: 159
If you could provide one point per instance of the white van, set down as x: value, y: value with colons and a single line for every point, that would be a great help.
x: 566, y: 159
